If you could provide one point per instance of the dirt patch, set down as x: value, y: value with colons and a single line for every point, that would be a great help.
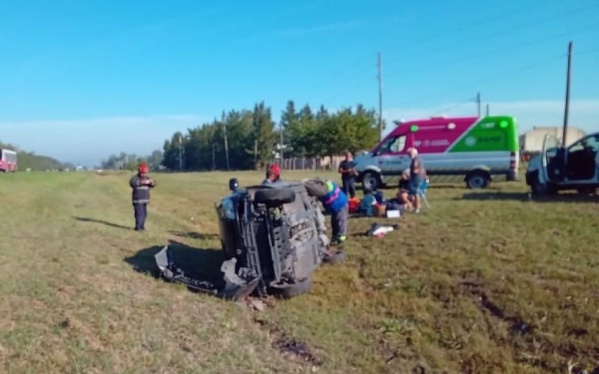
x: 476, y: 290
x: 293, y: 350
x: 298, y: 352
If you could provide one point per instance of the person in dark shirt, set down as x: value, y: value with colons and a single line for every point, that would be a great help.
x: 141, y: 184
x: 404, y: 188
x: 348, y: 175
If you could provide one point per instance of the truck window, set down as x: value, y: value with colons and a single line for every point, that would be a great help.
x: 393, y: 145
x: 590, y: 142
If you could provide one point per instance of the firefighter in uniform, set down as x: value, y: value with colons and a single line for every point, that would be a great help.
x: 141, y: 183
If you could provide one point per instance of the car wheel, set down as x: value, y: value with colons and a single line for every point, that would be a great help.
x: 477, y: 179
x: 371, y: 180
x: 587, y: 190
x: 540, y: 189
x: 335, y: 258
x: 272, y: 196
x: 289, y: 290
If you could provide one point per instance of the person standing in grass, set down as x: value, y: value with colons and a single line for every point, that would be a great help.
x: 141, y: 183
x: 348, y: 175
x: 417, y: 175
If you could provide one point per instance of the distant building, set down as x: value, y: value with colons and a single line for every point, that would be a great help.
x: 532, y: 141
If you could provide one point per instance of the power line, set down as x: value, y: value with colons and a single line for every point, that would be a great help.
x: 491, y: 78
x: 523, y: 26
x: 514, y: 47
x: 502, y: 33
x: 500, y: 50
x: 349, y: 83
x: 459, y: 105
x: 485, y: 21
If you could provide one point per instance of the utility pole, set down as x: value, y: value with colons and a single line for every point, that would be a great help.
x: 256, y: 153
x: 281, y: 150
x: 567, y: 108
x: 487, y: 109
x: 213, y: 157
x: 478, y: 102
x: 180, y: 153
x: 226, y: 141
x: 380, y: 79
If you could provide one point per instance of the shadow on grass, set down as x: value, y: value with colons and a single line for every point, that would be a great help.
x: 93, y: 220
x: 525, y: 196
x: 197, y: 263
x: 194, y: 235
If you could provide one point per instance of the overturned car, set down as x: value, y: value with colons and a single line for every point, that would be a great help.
x: 273, y: 239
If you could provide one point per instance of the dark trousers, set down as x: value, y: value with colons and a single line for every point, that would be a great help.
x: 349, y: 187
x: 141, y: 212
x: 339, y: 223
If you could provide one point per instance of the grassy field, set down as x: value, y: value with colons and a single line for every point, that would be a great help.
x: 486, y: 282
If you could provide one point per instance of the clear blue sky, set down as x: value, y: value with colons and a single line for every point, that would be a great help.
x: 80, y: 80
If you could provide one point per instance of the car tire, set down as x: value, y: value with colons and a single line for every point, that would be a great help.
x: 477, y: 180
x: 336, y: 258
x: 587, y: 190
x: 371, y: 180
x: 539, y: 189
x: 272, y: 196
x: 289, y: 290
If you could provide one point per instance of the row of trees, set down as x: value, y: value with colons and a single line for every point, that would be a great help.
x: 30, y: 160
x: 126, y: 161
x: 250, y: 139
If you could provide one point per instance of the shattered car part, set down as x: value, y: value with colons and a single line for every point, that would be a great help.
x: 273, y: 238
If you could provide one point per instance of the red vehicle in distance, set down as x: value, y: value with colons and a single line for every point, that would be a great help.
x: 8, y: 161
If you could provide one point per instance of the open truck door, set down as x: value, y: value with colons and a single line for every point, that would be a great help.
x: 552, y: 160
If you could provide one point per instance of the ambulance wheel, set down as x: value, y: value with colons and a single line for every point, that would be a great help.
x: 371, y: 180
x: 477, y: 179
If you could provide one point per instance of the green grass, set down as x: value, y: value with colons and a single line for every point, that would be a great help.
x: 485, y: 282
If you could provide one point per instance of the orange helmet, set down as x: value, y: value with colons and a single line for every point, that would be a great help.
x: 143, y: 167
x: 274, y: 168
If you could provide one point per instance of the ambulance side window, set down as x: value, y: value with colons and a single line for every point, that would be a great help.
x: 394, y: 145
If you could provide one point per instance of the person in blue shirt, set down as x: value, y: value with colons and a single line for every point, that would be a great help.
x: 368, y: 202
x: 335, y: 201
x: 417, y: 176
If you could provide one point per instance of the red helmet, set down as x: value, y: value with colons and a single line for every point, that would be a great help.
x: 143, y: 167
x: 274, y: 168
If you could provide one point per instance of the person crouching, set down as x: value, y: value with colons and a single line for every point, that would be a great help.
x: 335, y: 201
x: 141, y: 184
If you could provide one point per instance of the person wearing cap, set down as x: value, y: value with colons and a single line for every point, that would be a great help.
x: 273, y: 174
x: 141, y: 184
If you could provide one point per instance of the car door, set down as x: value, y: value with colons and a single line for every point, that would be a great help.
x: 581, y: 160
x: 551, y: 159
x: 392, y: 158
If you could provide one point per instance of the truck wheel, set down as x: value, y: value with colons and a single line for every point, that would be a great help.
x: 290, y: 290
x: 477, y: 179
x: 543, y: 189
x: 271, y: 196
x: 539, y: 189
x: 371, y: 180
x: 587, y: 190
